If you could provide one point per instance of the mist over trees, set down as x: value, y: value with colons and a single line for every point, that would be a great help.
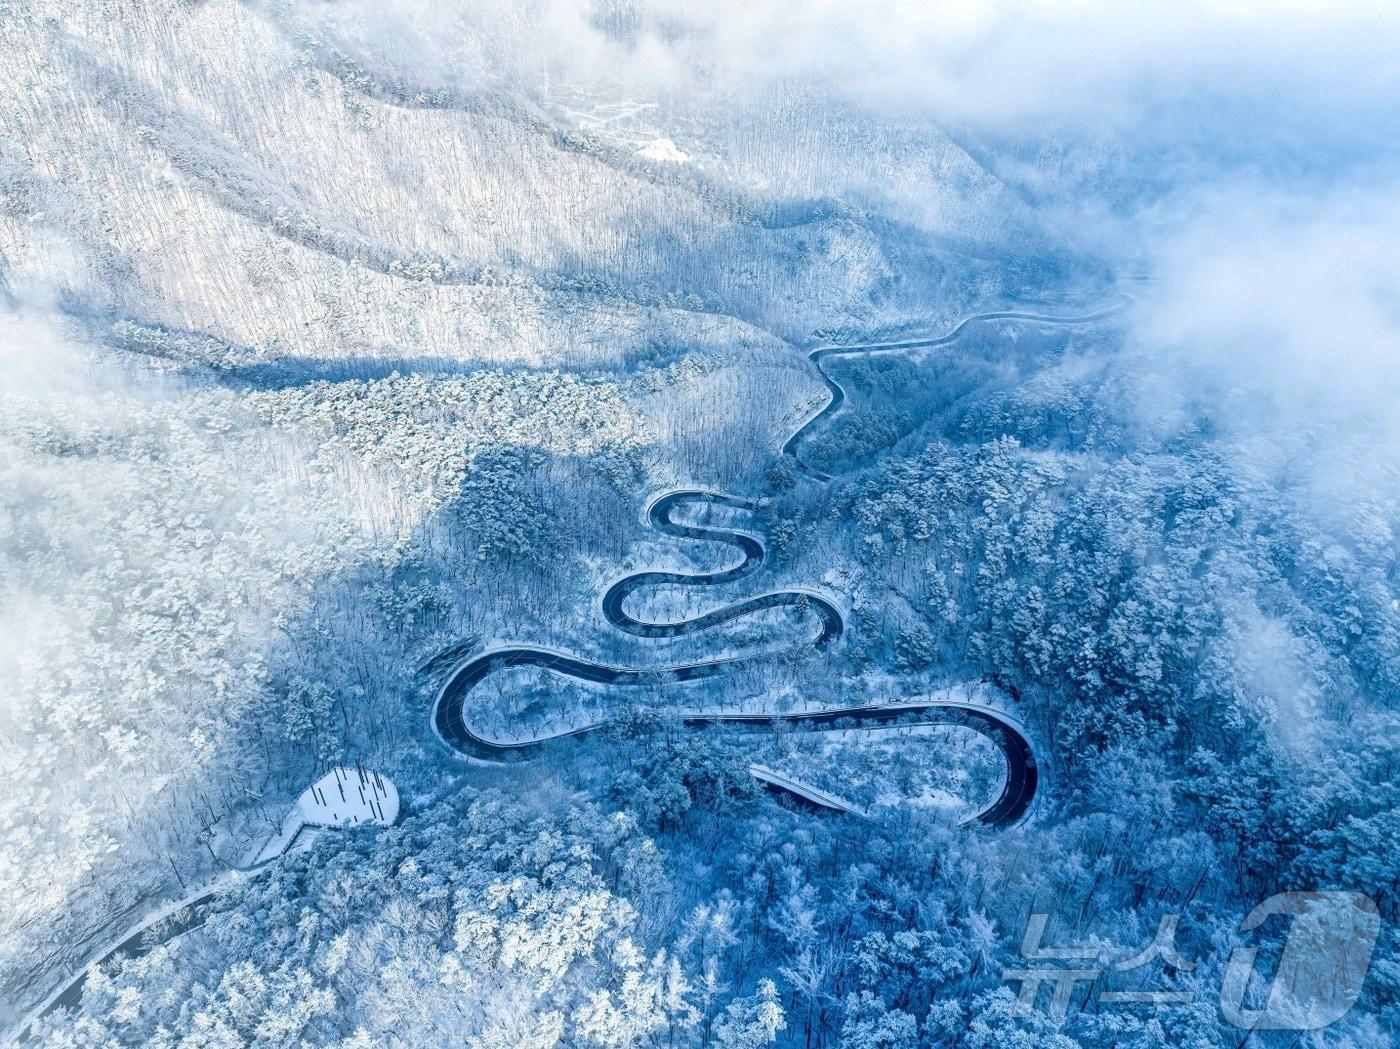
x: 344, y: 343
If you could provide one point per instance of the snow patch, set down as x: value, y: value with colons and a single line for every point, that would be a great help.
x: 345, y: 797
x: 663, y: 150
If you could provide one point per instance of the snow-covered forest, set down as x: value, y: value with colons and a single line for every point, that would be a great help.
x: 1008, y: 390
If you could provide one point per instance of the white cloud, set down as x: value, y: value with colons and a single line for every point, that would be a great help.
x: 1305, y: 291
x: 980, y: 60
x: 1276, y: 320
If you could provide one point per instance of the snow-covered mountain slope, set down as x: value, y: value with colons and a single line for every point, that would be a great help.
x: 262, y: 195
x: 695, y: 451
x: 232, y: 170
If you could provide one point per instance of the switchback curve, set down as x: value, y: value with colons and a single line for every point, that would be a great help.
x: 659, y: 517
x: 452, y: 723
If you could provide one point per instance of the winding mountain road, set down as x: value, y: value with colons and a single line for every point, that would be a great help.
x: 659, y: 516
x: 451, y: 717
x: 451, y: 713
x: 837, y: 393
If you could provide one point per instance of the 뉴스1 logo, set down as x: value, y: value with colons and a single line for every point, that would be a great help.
x: 1323, y: 966
x: 1318, y: 978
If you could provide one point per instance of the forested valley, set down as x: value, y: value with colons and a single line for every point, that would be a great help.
x: 349, y: 352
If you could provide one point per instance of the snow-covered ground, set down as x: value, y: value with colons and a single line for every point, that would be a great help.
x: 343, y: 797
x: 338, y: 335
x: 663, y: 150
